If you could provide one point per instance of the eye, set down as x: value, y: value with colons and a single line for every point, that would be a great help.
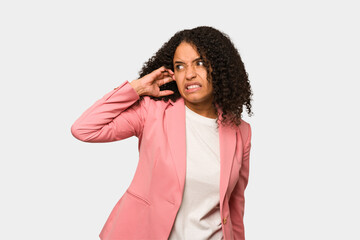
x: 200, y: 63
x: 178, y: 67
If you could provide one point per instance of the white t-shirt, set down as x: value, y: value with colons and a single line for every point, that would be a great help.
x: 199, y: 213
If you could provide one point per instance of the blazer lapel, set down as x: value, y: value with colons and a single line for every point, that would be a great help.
x: 227, y: 138
x: 175, y: 127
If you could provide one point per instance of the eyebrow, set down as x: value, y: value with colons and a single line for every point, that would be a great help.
x: 197, y: 59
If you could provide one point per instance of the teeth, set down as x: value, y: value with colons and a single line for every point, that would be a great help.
x: 193, y: 86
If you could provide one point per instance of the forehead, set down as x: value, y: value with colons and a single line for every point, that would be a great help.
x: 186, y: 52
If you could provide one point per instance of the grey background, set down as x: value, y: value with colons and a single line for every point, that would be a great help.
x: 58, y: 57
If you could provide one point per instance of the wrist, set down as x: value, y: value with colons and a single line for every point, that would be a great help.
x: 136, y: 85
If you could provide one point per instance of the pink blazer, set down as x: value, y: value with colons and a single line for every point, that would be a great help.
x: 148, y: 208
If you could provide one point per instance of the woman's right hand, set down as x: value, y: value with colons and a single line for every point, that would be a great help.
x: 150, y: 83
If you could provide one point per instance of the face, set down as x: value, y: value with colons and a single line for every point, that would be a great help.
x: 191, y: 76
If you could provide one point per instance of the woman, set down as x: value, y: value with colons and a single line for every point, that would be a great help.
x: 194, y: 147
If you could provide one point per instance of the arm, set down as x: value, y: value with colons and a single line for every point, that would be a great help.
x: 116, y: 116
x: 113, y: 117
x: 237, y: 200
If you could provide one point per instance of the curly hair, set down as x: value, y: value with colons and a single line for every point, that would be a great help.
x: 231, y: 87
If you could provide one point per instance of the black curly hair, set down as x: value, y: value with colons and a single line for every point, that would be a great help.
x: 231, y: 87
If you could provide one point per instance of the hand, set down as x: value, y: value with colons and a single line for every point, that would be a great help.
x: 150, y: 83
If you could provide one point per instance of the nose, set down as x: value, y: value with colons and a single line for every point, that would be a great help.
x: 190, y: 73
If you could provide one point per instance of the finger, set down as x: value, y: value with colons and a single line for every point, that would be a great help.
x: 168, y: 71
x: 165, y: 93
x: 166, y: 74
x: 172, y: 73
x: 164, y: 81
x: 161, y: 69
x: 160, y: 73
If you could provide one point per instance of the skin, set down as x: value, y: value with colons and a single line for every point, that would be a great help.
x: 188, y: 69
x: 150, y: 84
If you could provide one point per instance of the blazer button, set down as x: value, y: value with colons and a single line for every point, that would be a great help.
x: 116, y: 88
x: 224, y: 220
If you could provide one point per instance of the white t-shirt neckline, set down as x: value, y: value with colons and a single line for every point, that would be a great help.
x: 199, y: 118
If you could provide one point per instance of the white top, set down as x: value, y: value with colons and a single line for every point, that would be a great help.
x: 199, y: 213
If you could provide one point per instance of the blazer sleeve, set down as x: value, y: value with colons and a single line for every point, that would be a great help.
x: 237, y: 200
x: 116, y: 116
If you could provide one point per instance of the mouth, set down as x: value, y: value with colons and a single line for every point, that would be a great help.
x: 192, y: 87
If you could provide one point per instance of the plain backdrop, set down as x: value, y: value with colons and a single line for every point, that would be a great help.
x: 58, y: 57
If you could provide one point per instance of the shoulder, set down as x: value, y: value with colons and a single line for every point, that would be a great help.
x: 245, y: 130
x: 148, y: 102
x: 155, y: 107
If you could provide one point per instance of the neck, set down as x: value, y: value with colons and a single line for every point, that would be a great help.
x: 204, y: 110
